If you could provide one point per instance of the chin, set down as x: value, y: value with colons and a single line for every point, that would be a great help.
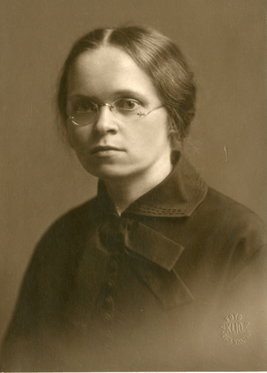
x: 108, y: 172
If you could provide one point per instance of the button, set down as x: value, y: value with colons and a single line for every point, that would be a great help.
x: 109, y: 300
x: 113, y: 265
x: 110, y: 284
x: 108, y: 305
x: 107, y: 316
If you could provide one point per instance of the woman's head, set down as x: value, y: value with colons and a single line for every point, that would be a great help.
x: 158, y: 57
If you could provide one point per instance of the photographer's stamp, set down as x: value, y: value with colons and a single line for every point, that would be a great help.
x: 235, y: 331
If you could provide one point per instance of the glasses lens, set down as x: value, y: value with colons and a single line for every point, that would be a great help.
x: 84, y: 112
x: 127, y: 109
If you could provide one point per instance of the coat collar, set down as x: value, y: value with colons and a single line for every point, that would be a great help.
x: 176, y: 196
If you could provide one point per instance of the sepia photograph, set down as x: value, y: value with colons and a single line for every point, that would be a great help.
x: 133, y: 185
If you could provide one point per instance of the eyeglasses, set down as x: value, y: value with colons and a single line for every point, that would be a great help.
x: 85, y: 112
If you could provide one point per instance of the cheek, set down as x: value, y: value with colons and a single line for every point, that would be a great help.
x: 155, y: 135
x: 79, y: 137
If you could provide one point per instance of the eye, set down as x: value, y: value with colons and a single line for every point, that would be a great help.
x: 127, y: 104
x: 84, y: 107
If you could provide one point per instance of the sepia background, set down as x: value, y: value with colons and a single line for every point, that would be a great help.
x: 225, y: 43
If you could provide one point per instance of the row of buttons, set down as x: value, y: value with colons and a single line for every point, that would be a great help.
x: 113, y: 237
x: 107, y: 306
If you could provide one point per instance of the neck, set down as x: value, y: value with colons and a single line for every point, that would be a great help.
x: 124, y: 192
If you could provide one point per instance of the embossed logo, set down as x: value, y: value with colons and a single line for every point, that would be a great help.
x: 235, y: 331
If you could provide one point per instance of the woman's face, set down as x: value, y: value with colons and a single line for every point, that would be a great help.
x: 137, y: 148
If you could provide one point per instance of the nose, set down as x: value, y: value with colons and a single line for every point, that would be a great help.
x: 105, y: 121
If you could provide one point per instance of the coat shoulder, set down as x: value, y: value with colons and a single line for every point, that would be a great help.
x: 72, y: 224
x: 77, y: 216
x: 62, y: 245
x: 233, y: 219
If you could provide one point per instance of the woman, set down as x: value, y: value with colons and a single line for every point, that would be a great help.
x: 159, y: 271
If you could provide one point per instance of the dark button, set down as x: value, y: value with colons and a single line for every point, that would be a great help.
x: 109, y: 300
x: 113, y: 265
x: 108, y: 305
x: 110, y: 284
x: 107, y: 316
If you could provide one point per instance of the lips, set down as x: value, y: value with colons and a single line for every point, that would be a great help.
x: 99, y: 149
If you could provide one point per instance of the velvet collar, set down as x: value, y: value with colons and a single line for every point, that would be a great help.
x: 176, y: 196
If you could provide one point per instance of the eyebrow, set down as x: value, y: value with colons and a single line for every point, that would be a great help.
x: 129, y: 93
x: 117, y: 94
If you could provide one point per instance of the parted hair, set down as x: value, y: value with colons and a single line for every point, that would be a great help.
x: 155, y: 54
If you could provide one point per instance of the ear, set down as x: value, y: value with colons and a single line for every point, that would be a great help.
x: 174, y: 135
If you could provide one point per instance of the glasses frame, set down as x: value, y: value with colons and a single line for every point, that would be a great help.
x: 111, y: 107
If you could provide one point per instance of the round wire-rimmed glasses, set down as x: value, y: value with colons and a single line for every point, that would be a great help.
x: 85, y: 112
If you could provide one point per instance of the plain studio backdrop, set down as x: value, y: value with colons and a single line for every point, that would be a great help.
x: 225, y: 43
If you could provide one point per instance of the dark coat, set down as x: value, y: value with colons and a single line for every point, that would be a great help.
x: 178, y: 282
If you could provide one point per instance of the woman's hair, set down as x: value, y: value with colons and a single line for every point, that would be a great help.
x: 155, y: 54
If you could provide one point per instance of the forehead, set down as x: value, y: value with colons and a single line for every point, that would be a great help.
x: 106, y: 70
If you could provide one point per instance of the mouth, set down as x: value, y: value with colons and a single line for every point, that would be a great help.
x: 100, y: 149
